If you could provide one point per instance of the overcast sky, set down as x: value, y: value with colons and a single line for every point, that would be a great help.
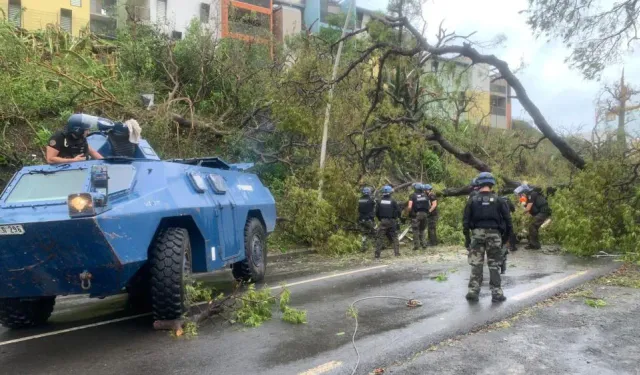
x: 563, y: 96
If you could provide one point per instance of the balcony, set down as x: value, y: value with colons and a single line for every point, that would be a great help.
x: 248, y: 20
x: 104, y: 9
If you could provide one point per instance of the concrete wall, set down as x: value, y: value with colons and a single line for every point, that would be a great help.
x: 38, y: 14
x: 291, y: 21
x: 181, y: 12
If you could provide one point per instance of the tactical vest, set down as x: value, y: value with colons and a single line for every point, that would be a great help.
x: 72, y: 147
x: 485, y: 212
x: 421, y: 203
x: 385, y: 208
x: 366, y: 208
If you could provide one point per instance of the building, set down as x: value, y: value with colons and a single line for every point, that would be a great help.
x: 247, y: 19
x: 294, y: 16
x: 485, y: 99
x: 70, y: 15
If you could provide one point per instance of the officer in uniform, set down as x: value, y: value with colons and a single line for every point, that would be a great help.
x: 512, y: 237
x: 488, y: 218
x: 432, y: 216
x: 538, y: 207
x: 474, y: 188
x: 418, y: 207
x: 70, y: 145
x: 387, y: 212
x: 366, y: 211
x: 467, y: 233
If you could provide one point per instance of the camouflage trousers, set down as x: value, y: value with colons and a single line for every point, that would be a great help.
x: 432, y: 220
x: 368, y: 231
x: 418, y: 226
x: 487, y: 241
x: 387, y: 230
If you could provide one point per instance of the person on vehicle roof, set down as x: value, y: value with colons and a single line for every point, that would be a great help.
x: 70, y: 145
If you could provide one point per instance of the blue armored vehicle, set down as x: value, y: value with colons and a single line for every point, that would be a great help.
x: 130, y: 222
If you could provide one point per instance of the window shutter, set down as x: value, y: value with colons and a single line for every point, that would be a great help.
x: 14, y: 14
x: 161, y: 11
x: 65, y: 20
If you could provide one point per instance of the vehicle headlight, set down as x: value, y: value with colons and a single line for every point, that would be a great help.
x: 80, y: 204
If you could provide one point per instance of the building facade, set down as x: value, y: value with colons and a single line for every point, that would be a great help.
x: 70, y: 15
x: 482, y: 98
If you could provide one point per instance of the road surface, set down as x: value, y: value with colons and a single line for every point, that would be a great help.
x: 83, y: 337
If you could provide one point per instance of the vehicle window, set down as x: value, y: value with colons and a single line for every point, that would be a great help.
x: 47, y: 187
x: 120, y: 177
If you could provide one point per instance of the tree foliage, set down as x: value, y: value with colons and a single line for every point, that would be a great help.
x: 598, y: 32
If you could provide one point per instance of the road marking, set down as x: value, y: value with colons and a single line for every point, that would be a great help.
x: 547, y: 286
x: 322, y: 368
x: 73, y: 329
x: 3, y: 343
x: 329, y: 277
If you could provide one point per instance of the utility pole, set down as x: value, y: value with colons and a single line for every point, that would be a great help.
x: 327, y: 113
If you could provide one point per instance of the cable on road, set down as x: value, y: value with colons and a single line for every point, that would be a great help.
x: 410, y: 303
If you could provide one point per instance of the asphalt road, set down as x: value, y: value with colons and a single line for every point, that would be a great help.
x: 389, y: 332
x: 561, y: 337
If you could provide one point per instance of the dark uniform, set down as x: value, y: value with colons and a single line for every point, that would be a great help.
x: 541, y: 212
x: 68, y: 146
x: 512, y: 236
x: 488, y: 218
x: 419, y: 213
x: 366, y: 211
x: 387, y: 212
x: 432, y: 220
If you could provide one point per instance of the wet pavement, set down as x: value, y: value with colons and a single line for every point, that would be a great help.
x: 388, y: 332
x: 560, y: 337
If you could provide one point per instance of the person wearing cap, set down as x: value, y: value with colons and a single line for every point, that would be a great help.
x: 387, y: 212
x: 70, y: 145
x: 432, y: 215
x: 538, y: 207
x: 366, y: 215
x: 488, y: 218
x: 418, y: 206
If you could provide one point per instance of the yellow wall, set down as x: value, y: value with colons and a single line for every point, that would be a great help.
x: 479, y: 113
x: 38, y: 13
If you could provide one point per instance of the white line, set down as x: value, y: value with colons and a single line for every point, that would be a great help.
x: 547, y: 286
x: 329, y: 277
x: 3, y: 343
x: 73, y: 329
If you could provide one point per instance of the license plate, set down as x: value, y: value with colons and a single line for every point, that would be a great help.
x: 11, y: 230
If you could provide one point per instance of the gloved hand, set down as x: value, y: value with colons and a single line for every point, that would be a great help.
x: 467, y: 239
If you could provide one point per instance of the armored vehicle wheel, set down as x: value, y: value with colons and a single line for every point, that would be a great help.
x: 253, y: 267
x: 22, y: 313
x: 170, y: 263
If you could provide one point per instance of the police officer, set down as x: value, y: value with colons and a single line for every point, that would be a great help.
x: 432, y: 215
x: 512, y: 237
x: 70, y: 145
x: 418, y: 207
x: 366, y: 212
x: 489, y: 219
x: 474, y: 188
x: 538, y: 207
x: 467, y: 233
x: 387, y: 212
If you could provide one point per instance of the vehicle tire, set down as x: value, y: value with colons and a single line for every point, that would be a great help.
x: 170, y: 271
x: 253, y: 267
x: 18, y: 313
